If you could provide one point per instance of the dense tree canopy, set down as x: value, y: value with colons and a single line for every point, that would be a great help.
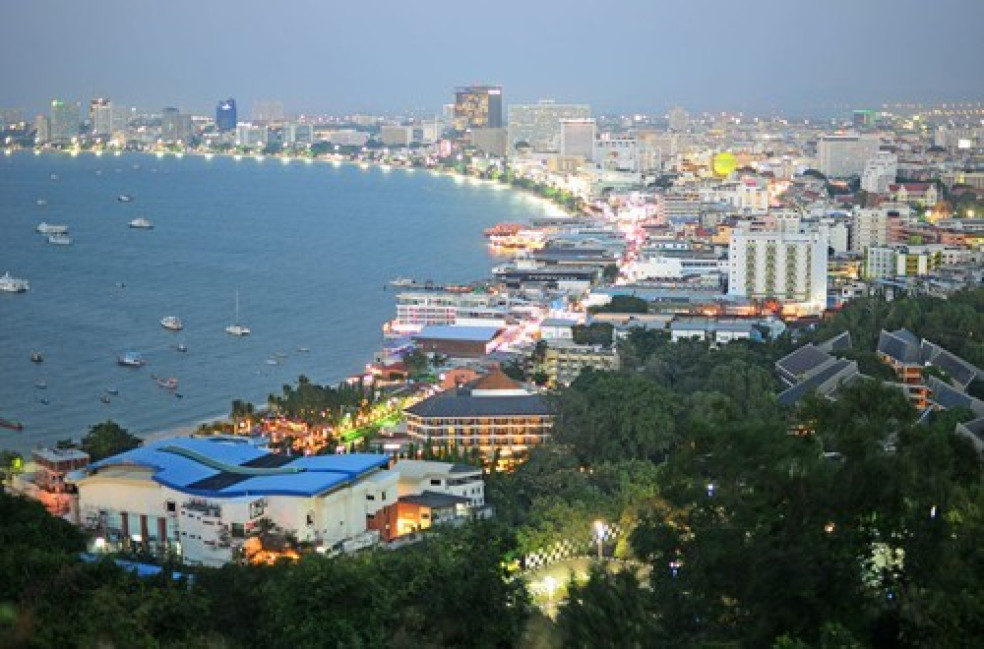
x: 108, y: 438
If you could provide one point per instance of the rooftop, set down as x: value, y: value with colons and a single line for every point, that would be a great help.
x: 225, y: 468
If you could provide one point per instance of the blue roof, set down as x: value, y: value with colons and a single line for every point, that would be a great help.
x: 229, y: 468
x: 454, y: 332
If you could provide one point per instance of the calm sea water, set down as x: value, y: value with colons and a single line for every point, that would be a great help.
x: 308, y: 248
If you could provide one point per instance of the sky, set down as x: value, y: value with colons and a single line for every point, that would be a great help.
x: 397, y: 57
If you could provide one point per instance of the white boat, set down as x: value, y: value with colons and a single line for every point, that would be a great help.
x: 10, y: 284
x: 48, y: 228
x: 125, y: 198
x: 172, y: 322
x: 59, y: 239
x: 131, y: 359
x: 237, y: 329
x: 141, y: 224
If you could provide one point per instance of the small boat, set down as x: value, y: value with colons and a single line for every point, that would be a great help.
x: 168, y: 383
x: 11, y: 424
x: 112, y: 391
x: 280, y: 355
x: 402, y: 281
x: 49, y: 228
x: 131, y: 359
x: 271, y: 361
x: 41, y: 385
x: 59, y: 239
x: 125, y: 198
x: 141, y: 224
x: 9, y: 284
x: 104, y: 398
x: 44, y: 401
x: 172, y: 322
x: 237, y: 329
x: 41, y: 202
x: 54, y: 176
x: 36, y: 357
x: 304, y: 349
x: 179, y: 395
x: 182, y: 347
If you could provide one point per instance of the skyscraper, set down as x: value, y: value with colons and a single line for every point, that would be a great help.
x: 64, y: 121
x: 478, y: 107
x: 539, y: 124
x: 225, y: 115
x: 101, y: 116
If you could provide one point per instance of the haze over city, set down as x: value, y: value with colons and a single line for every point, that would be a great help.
x: 380, y: 56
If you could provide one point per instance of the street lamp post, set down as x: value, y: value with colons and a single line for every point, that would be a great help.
x: 599, y: 529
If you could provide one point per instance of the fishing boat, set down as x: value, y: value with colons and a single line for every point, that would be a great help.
x: 131, y: 359
x: 237, y: 329
x: 172, y: 322
x: 182, y: 347
x: 11, y: 424
x: 10, y: 284
x: 36, y: 357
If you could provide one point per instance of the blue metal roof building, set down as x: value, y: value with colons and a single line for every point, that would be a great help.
x: 229, y: 468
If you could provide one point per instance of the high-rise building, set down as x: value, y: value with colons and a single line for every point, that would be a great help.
x: 101, y: 116
x: 478, y: 107
x: 64, y: 124
x: 42, y: 129
x: 679, y: 120
x: 577, y: 137
x: 538, y: 125
x: 171, y: 124
x: 225, y: 115
x: 845, y: 155
x: 298, y: 134
x: 785, y: 265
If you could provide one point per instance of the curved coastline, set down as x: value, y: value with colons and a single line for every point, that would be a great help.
x: 188, y: 426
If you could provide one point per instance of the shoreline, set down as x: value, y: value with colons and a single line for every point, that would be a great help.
x: 549, y: 207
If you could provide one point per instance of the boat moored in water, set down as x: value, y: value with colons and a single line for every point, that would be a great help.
x: 172, y: 322
x: 50, y: 228
x: 36, y: 357
x: 141, y: 224
x: 131, y: 359
x: 11, y: 424
x: 59, y: 239
x: 125, y: 198
x: 10, y: 284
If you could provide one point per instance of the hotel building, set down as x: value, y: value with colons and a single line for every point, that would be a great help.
x: 787, y: 266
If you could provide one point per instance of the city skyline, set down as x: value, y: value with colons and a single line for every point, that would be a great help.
x: 639, y: 57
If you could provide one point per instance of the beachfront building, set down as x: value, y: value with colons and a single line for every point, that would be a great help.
x: 494, y: 414
x: 458, y: 341
x: 202, y: 498
x: 418, y: 309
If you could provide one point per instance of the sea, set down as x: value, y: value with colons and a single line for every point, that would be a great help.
x: 306, y: 249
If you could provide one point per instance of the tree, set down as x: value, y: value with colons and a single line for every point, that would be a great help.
x: 108, y: 438
x: 416, y: 363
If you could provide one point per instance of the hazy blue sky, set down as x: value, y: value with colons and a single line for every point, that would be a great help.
x: 395, y: 56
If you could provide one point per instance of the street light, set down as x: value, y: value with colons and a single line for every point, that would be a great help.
x: 599, y: 529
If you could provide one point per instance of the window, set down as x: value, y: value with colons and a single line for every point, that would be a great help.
x: 436, y: 482
x: 310, y: 519
x: 170, y: 507
x: 370, y: 497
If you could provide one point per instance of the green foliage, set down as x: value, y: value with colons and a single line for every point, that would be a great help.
x: 606, y: 416
x: 107, y: 439
x: 318, y: 404
x: 596, y: 333
x: 610, y: 610
x: 417, y: 363
x: 622, y: 304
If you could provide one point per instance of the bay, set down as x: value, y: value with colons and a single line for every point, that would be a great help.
x: 308, y: 247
